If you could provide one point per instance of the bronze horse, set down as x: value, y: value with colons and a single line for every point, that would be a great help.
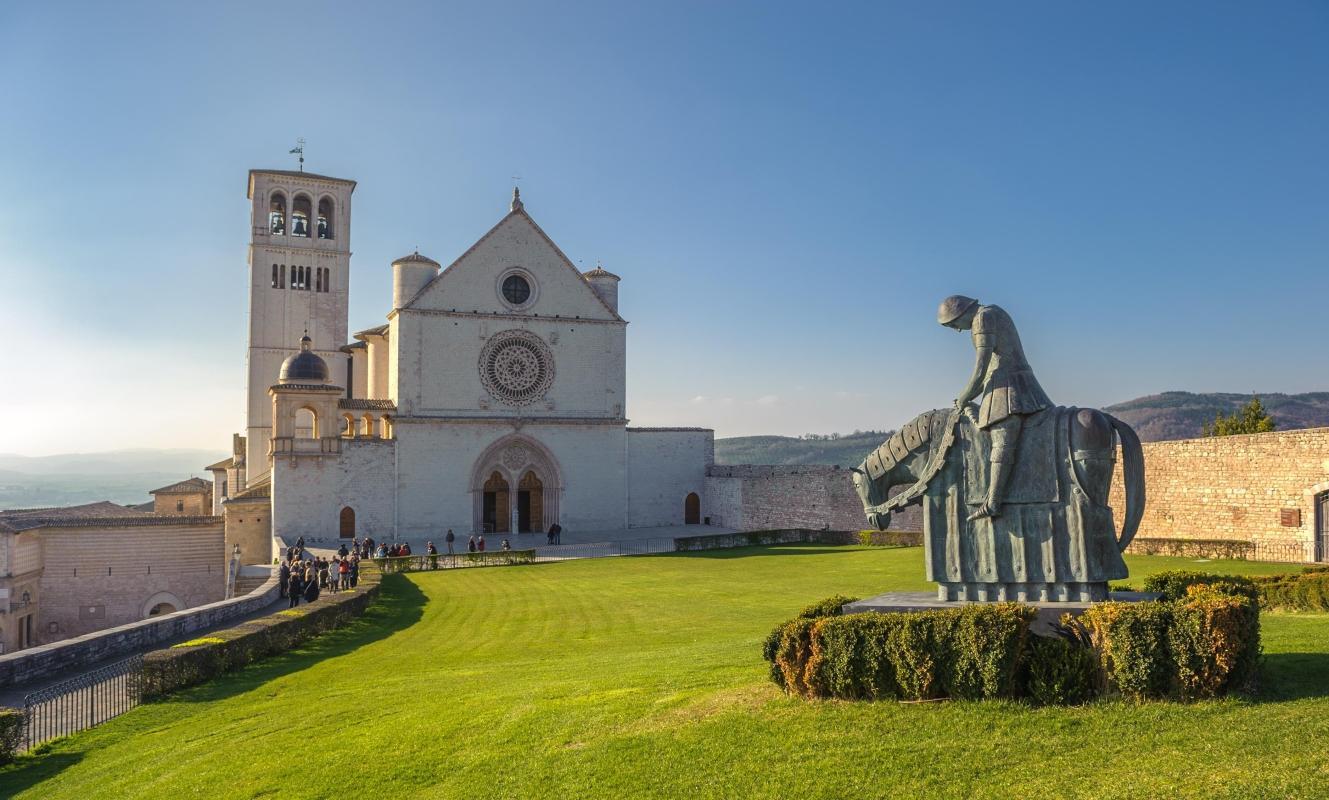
x: 1055, y: 538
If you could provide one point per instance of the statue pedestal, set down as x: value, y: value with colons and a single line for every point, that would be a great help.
x: 1049, y: 612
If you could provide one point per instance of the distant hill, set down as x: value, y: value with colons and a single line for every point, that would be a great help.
x: 847, y: 450
x: 121, y: 476
x: 1179, y: 415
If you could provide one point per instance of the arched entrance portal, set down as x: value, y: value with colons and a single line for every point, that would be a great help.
x: 495, y: 515
x: 692, y: 509
x: 517, y: 486
x: 347, y: 523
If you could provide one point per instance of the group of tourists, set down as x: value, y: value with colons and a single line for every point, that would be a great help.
x: 305, y: 576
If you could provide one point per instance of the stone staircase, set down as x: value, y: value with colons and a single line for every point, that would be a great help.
x: 250, y: 578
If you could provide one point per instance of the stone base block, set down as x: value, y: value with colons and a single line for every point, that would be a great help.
x: 1066, y: 592
x: 1049, y: 611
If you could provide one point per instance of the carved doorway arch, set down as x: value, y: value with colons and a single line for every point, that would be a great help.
x: 525, y: 467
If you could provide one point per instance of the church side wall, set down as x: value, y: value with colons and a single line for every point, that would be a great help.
x: 100, y: 577
x: 309, y: 492
x: 1235, y: 488
x: 664, y: 466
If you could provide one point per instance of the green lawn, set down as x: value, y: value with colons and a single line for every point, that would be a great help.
x: 642, y: 677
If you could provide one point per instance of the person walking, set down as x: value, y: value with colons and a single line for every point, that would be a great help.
x: 480, y: 543
x: 285, y: 575
x: 344, y: 570
x: 471, y: 544
x: 355, y: 572
x: 450, y: 538
x: 295, y: 587
x: 334, y: 575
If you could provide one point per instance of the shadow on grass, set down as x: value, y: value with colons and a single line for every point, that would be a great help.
x: 399, y: 606
x: 1293, y: 676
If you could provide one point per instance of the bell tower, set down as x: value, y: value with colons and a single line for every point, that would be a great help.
x: 299, y: 275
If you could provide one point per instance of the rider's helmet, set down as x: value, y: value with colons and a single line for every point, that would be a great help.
x: 954, y: 307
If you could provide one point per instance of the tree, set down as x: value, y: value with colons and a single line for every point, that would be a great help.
x: 1250, y: 418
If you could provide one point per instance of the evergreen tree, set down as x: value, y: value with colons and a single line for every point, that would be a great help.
x: 1250, y: 418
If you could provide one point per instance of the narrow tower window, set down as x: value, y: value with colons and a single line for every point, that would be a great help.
x: 325, y: 218
x: 318, y: 279
x: 277, y: 214
x: 300, y: 216
x: 276, y: 277
x: 295, y: 284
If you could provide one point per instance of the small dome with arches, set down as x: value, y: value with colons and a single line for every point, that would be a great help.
x: 305, y: 366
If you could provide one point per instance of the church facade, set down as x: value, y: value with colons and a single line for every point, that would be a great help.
x: 492, y: 399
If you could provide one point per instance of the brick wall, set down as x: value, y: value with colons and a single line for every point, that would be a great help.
x: 1237, y: 488
x: 753, y: 497
x: 100, y: 577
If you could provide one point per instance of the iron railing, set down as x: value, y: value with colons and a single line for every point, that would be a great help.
x: 1280, y: 551
x: 417, y: 562
x: 82, y: 702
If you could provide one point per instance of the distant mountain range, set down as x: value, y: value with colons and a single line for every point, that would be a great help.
x: 1179, y: 415
x: 121, y: 476
x: 1158, y: 417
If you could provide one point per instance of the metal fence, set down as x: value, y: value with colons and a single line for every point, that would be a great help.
x: 1280, y: 551
x: 82, y: 702
x: 535, y: 555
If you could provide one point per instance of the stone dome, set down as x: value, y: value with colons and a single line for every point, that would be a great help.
x: 305, y: 366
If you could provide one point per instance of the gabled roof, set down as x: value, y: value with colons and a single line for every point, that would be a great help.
x: 378, y: 330
x: 187, y: 486
x: 259, y: 491
x: 22, y: 519
x: 518, y: 210
x: 223, y: 464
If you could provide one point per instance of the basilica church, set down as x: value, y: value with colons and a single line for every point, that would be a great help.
x: 492, y: 399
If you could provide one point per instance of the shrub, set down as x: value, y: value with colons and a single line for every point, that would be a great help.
x: 832, y: 606
x: 1131, y: 640
x: 1214, y: 642
x: 1061, y: 672
x: 1174, y: 583
x: 205, y: 658
x: 12, y: 726
x: 202, y: 641
x: 1308, y: 591
x: 969, y: 652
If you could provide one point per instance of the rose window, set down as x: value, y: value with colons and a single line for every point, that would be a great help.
x: 516, y: 367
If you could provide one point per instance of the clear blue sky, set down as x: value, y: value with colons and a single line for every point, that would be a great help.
x: 786, y: 189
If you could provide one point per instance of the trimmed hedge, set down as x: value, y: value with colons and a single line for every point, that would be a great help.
x: 970, y: 652
x: 203, y: 659
x: 1307, y: 590
x: 424, y: 562
x: 1205, y: 644
x: 12, y: 726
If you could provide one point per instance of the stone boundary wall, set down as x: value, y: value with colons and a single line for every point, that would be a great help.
x: 1259, y: 488
x: 45, y: 660
x: 753, y: 497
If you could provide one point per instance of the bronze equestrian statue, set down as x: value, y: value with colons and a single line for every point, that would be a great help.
x: 1014, y: 492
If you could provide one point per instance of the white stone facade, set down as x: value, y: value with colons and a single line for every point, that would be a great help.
x: 493, y: 399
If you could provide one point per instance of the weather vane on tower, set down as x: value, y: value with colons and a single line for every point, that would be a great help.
x: 299, y: 150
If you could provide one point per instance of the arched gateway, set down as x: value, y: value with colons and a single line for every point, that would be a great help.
x: 515, y: 484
